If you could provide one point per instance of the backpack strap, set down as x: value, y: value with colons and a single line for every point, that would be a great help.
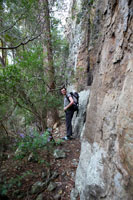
x: 71, y: 96
x: 71, y: 93
x: 67, y: 98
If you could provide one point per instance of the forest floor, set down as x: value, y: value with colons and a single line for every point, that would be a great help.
x: 24, y: 174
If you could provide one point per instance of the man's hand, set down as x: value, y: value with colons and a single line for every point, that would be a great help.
x: 65, y: 108
x: 70, y: 104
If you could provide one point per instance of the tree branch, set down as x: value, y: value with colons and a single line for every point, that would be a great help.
x: 22, y: 43
x: 8, y: 114
x: 12, y: 25
x: 2, y: 125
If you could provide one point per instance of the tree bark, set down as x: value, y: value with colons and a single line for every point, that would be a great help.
x: 3, y: 55
x: 50, y: 72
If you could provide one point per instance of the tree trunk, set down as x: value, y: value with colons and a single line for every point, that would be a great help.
x: 3, y: 55
x: 49, y: 69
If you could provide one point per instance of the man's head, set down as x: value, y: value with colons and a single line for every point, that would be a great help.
x: 63, y: 91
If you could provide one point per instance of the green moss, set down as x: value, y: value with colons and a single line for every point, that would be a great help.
x: 87, y: 3
x: 91, y: 2
x: 79, y: 16
x: 74, y: 9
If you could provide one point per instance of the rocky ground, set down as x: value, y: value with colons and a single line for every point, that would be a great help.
x: 49, y: 180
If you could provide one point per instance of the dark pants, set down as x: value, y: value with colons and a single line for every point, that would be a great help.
x: 69, y: 116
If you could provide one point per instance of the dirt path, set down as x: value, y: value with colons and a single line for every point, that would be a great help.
x: 66, y: 167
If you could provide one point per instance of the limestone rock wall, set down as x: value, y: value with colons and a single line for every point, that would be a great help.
x: 77, y: 34
x: 79, y: 118
x: 105, y: 169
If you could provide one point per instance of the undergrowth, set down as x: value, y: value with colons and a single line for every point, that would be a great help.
x: 31, y: 143
x: 33, y: 147
x: 12, y: 183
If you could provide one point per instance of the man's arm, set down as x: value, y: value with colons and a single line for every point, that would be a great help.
x: 70, y: 104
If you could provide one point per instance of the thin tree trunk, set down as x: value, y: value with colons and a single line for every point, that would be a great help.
x: 50, y: 72
x: 3, y: 53
x: 3, y: 56
x: 2, y: 125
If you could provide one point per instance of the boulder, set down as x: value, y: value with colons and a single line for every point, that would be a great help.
x: 51, y: 186
x: 36, y: 187
x: 59, y: 154
x: 39, y: 197
x: 74, y: 194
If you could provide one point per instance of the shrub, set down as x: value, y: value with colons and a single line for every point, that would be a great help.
x: 6, y: 185
x: 30, y: 144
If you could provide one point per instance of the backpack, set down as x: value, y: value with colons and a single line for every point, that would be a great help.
x: 75, y: 97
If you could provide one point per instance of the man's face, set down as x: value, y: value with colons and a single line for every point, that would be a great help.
x: 63, y: 91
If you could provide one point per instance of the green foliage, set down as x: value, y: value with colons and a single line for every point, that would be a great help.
x: 4, y: 142
x: 9, y: 78
x: 60, y: 52
x: 24, y: 95
x: 31, y: 143
x: 59, y: 142
x: 91, y: 2
x: 14, y: 14
x: 24, y: 85
x: 7, y: 185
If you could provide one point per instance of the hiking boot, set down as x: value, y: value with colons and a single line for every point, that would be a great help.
x: 66, y: 138
x: 72, y: 137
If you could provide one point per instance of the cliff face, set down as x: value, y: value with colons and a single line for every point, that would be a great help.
x: 105, y: 47
x: 77, y: 33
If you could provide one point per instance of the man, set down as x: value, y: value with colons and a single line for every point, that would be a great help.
x: 68, y: 108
